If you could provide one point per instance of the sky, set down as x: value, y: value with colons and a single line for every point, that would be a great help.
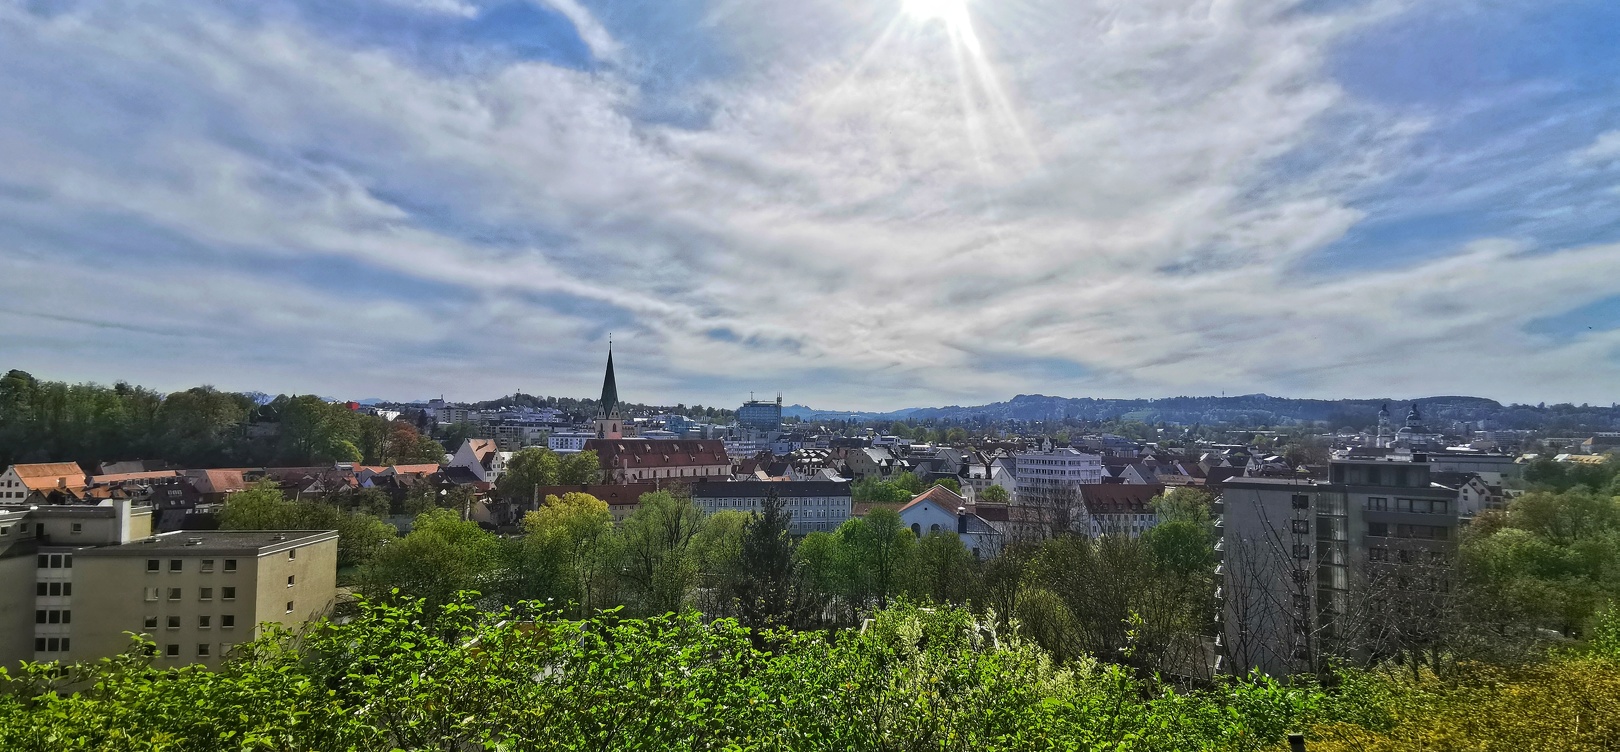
x: 861, y: 204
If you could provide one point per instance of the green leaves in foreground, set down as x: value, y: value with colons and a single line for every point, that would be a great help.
x: 913, y: 679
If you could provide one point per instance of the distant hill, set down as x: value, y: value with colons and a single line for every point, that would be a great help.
x: 1245, y: 410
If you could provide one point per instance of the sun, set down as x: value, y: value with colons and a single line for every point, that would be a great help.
x: 928, y: 10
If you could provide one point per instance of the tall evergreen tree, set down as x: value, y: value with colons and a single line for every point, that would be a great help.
x: 768, y: 592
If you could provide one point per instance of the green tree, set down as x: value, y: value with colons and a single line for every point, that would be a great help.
x: 529, y: 469
x: 943, y: 570
x: 656, y: 567
x: 441, y: 556
x: 875, y: 551
x: 951, y: 484
x: 769, y: 592
x: 568, y: 549
x: 994, y: 495
x: 580, y: 468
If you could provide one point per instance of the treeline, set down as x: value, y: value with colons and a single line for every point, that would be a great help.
x: 586, y: 408
x: 52, y: 421
x: 398, y: 677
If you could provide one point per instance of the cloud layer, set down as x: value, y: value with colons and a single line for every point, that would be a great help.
x: 856, y: 205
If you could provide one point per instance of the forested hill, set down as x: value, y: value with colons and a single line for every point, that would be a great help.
x: 1255, y: 410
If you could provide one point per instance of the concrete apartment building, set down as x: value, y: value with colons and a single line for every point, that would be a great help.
x: 75, y: 579
x: 1315, y: 568
x: 1047, y: 486
x: 815, y: 505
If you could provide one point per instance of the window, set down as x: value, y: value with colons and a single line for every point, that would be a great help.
x: 78, y: 527
x: 1403, y: 505
x: 174, y: 622
x: 1302, y: 527
x: 289, y: 607
x: 40, y: 588
x: 67, y: 589
x: 227, y: 621
x: 228, y: 593
x: 153, y: 565
x: 204, y: 622
x: 151, y: 623
x: 202, y: 650
x: 1301, y: 501
x: 1378, y: 553
x: 230, y: 565
x: 205, y: 594
x: 207, y: 565
x: 292, y: 553
x: 171, y: 650
x: 44, y: 561
x: 290, y: 580
x: 1378, y: 529
x: 176, y: 565
x: 39, y: 616
x: 151, y: 593
x: 1301, y: 602
x: 39, y: 644
x: 1302, y: 551
x: 67, y: 561
x: 174, y: 594
x: 1378, y: 503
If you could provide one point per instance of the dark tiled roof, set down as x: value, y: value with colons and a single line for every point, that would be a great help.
x: 1119, y: 497
x: 744, y: 489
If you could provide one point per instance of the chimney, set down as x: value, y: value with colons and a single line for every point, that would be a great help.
x: 961, y: 520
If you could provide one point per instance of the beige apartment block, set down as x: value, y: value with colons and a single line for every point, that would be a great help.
x: 77, y: 580
x: 197, y: 594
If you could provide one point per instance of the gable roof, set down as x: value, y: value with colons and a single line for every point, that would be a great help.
x: 1105, y: 498
x: 940, y: 495
x: 45, y: 476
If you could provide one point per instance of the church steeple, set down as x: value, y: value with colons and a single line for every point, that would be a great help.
x: 609, y: 424
x: 609, y: 407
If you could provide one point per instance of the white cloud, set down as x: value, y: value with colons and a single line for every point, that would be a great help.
x: 1605, y: 149
x: 458, y: 8
x: 591, y: 31
x: 882, y: 221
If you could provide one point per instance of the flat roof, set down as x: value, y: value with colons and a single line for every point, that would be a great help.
x: 194, y: 542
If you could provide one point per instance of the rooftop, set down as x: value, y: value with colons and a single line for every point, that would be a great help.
x: 216, y: 542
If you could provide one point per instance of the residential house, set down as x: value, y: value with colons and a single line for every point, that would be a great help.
x: 43, y: 483
x: 941, y: 511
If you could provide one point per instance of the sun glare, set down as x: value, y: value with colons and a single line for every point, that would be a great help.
x: 927, y: 10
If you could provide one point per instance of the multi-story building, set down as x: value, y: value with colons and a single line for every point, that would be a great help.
x: 760, y: 415
x: 1314, y: 568
x: 74, y: 579
x: 569, y: 442
x: 648, y: 461
x: 814, y: 505
x: 1047, y: 486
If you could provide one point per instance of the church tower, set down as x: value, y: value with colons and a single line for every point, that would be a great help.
x: 609, y: 424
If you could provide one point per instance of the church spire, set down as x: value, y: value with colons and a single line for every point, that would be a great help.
x: 609, y: 407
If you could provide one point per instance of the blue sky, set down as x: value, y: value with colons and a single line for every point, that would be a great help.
x: 860, y: 203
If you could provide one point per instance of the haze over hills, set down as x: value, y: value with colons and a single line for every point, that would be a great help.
x: 1243, y: 410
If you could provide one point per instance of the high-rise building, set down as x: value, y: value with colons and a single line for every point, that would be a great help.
x: 760, y: 415
x: 1347, y: 566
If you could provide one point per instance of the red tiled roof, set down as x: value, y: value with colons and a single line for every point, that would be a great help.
x: 101, y: 480
x: 940, y: 495
x: 44, y: 476
x: 615, y: 454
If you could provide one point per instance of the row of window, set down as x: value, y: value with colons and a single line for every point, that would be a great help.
x: 203, y: 594
x: 53, y: 616
x: 178, y: 565
x: 204, y: 649
x: 53, y: 588
x: 1421, y: 506
x: 51, y: 644
x: 56, y: 561
x: 1418, y: 532
x: 1407, y: 556
x: 226, y: 621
